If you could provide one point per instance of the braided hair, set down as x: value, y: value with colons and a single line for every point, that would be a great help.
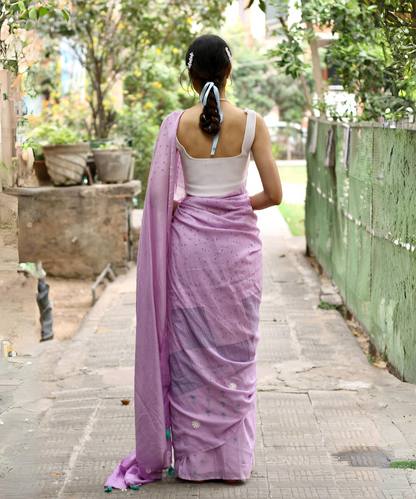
x: 208, y: 59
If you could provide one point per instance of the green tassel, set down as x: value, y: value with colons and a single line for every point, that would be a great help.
x: 171, y: 470
x: 168, y: 434
x: 108, y: 489
x: 135, y: 487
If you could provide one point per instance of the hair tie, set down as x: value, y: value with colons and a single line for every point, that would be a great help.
x: 204, y: 98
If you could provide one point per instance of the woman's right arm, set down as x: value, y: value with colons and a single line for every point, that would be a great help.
x: 266, y: 165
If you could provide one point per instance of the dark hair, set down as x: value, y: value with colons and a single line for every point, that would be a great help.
x: 210, y: 62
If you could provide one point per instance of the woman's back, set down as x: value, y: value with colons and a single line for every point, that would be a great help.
x: 218, y: 175
x: 198, y: 144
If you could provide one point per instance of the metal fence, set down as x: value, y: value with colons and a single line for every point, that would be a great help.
x: 360, y: 223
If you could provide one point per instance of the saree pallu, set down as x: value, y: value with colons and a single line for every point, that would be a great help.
x: 213, y: 296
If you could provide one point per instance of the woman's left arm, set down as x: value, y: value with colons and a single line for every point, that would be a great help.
x: 266, y: 165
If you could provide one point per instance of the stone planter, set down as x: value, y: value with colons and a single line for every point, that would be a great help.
x: 41, y: 172
x: 113, y: 165
x: 66, y: 163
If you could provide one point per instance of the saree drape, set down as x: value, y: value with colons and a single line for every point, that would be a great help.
x: 199, y: 280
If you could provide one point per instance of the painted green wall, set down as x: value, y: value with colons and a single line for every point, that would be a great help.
x: 360, y: 223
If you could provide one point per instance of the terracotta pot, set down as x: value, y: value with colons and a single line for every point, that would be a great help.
x: 41, y: 172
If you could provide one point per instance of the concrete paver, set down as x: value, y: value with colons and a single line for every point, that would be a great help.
x: 328, y: 422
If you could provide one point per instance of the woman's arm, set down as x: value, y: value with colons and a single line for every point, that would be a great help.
x: 266, y: 165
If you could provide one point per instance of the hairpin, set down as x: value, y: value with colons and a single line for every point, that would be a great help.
x: 191, y: 58
x: 227, y: 50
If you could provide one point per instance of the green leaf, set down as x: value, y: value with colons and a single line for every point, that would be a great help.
x: 43, y: 11
x: 21, y: 6
x: 58, y: 11
x: 33, y: 14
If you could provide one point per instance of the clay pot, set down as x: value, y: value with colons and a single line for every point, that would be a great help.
x: 41, y: 172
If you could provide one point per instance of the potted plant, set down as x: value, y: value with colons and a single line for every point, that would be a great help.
x: 113, y: 161
x: 65, y: 153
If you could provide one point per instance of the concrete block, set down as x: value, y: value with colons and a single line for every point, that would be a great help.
x: 332, y: 299
x: 327, y: 289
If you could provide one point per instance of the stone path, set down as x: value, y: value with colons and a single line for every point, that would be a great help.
x: 328, y: 423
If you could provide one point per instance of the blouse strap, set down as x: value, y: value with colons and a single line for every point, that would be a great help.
x: 250, y: 131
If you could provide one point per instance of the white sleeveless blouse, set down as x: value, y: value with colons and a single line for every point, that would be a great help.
x: 210, y: 177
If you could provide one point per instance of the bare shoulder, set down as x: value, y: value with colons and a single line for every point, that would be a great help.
x: 262, y: 135
x: 260, y: 123
x: 188, y: 119
x: 190, y: 113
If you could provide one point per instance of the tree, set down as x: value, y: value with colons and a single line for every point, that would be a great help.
x: 152, y: 90
x: 372, y: 60
x: 112, y: 37
x: 19, y: 44
x: 259, y: 85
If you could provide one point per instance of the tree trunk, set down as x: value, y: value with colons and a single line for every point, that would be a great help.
x: 317, y: 71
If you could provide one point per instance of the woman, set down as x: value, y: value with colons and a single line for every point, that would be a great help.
x: 199, y: 286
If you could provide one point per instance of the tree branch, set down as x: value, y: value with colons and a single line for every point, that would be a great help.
x: 301, y: 75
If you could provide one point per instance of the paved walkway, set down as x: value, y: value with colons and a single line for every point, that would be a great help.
x: 328, y: 422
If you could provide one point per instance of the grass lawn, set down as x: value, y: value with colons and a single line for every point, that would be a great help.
x: 294, y: 214
x: 293, y: 174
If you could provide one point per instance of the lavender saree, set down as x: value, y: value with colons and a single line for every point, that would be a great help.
x: 199, y: 281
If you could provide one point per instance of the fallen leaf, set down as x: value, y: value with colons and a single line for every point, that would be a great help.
x: 281, y: 256
x: 380, y: 365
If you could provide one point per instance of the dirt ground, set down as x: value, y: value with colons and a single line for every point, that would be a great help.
x: 71, y: 301
x: 71, y: 298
